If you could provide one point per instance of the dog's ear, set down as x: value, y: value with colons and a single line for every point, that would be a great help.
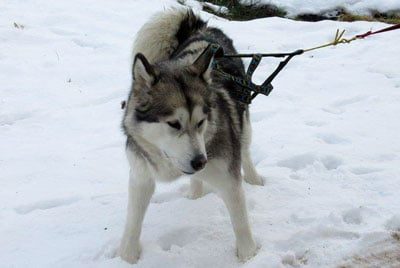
x: 202, y: 66
x: 143, y: 71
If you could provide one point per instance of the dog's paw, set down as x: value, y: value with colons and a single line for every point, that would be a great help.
x: 130, y: 251
x: 247, y: 251
x: 190, y: 194
x: 196, y: 190
x: 254, y: 179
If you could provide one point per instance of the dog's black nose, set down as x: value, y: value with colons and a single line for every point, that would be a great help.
x: 198, y: 162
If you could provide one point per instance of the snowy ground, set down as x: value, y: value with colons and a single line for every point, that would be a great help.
x: 361, y: 7
x: 327, y: 141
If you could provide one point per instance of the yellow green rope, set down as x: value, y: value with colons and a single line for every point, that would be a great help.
x: 338, y: 40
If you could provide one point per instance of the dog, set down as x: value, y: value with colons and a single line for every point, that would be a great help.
x: 181, y: 118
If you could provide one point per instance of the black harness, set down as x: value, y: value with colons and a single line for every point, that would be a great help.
x: 248, y: 90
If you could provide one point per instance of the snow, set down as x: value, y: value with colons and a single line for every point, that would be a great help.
x: 361, y: 7
x: 326, y: 140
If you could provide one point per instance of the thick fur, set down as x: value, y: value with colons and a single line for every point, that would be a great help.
x: 181, y: 118
x: 159, y: 38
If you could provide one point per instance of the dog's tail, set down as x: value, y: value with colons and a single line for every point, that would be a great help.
x: 161, y: 36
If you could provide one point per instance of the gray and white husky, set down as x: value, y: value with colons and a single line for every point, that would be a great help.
x: 181, y: 118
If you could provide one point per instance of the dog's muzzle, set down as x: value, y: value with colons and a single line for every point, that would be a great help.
x: 198, y: 162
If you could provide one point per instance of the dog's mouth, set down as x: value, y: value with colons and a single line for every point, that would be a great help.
x: 181, y: 170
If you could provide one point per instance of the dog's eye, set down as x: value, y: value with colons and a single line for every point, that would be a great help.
x: 200, y: 123
x: 175, y: 125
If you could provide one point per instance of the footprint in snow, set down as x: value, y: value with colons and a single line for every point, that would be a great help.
x: 63, y: 32
x: 105, y: 199
x: 331, y: 162
x: 333, y: 110
x: 338, y: 106
x: 364, y: 170
x: 299, y: 239
x: 10, y: 119
x: 46, y: 204
x: 87, y: 43
x: 331, y: 138
x: 315, y: 123
x: 348, y: 101
x: 298, y: 162
x: 356, y: 215
x: 179, y: 237
x: 295, y: 259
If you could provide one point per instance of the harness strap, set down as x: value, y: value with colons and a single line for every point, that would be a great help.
x: 251, y: 90
x: 255, y: 61
x: 267, y: 87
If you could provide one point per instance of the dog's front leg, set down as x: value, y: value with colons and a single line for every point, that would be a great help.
x: 234, y: 200
x: 229, y: 188
x: 141, y: 188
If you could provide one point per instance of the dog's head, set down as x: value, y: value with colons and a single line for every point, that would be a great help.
x: 171, y: 108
